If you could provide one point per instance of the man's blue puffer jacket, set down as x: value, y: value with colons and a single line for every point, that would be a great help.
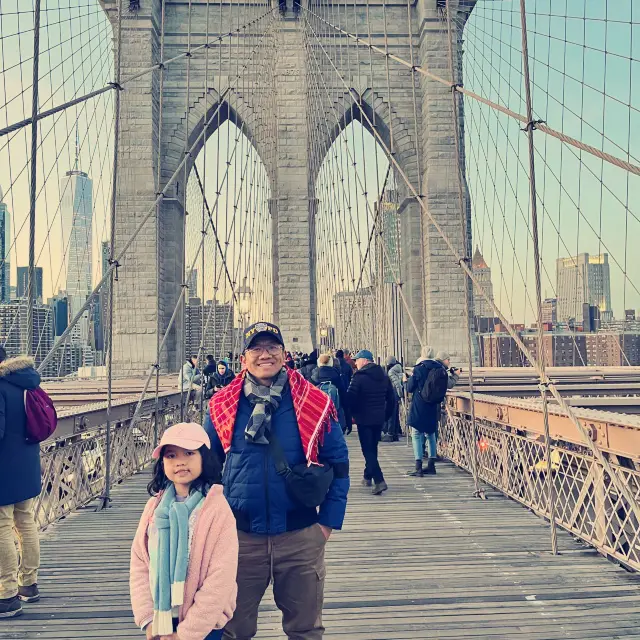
x: 257, y: 494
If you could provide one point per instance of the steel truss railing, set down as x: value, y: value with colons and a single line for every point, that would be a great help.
x: 588, y: 503
x: 73, y: 468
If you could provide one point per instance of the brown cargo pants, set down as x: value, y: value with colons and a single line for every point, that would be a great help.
x: 295, y: 563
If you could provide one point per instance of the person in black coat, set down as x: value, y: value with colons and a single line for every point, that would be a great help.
x: 425, y: 416
x: 20, y: 483
x: 345, y: 368
x: 371, y: 401
x: 219, y: 379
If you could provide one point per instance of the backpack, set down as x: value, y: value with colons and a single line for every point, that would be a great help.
x: 42, y: 418
x: 435, y: 386
x: 331, y: 390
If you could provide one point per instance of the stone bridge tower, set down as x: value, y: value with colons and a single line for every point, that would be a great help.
x: 432, y: 282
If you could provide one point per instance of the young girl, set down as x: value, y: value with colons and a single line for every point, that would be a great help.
x: 184, y: 556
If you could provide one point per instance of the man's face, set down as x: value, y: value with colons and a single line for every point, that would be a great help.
x: 447, y: 362
x: 264, y: 358
x: 360, y: 362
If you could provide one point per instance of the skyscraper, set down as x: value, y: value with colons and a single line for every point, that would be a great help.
x: 23, y: 283
x: 77, y: 212
x: 5, y: 246
x: 583, y: 279
x: 482, y: 272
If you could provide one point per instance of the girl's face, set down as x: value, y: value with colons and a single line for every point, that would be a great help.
x: 222, y: 369
x: 182, y: 467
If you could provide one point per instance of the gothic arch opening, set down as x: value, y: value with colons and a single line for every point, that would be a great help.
x: 357, y: 242
x: 228, y: 261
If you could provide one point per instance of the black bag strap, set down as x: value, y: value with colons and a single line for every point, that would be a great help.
x: 277, y: 453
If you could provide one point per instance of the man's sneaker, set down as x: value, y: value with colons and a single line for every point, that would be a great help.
x: 29, y: 594
x: 10, y: 607
x: 366, y: 482
x: 379, y: 487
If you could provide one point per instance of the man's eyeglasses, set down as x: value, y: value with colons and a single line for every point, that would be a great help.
x: 271, y: 349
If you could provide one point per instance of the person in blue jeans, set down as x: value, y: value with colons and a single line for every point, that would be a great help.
x: 423, y: 416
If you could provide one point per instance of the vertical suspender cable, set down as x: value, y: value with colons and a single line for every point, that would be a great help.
x: 31, y: 284
x: 468, y: 285
x: 158, y: 234
x: 105, y: 499
x: 530, y: 128
x: 185, y: 294
x: 204, y: 228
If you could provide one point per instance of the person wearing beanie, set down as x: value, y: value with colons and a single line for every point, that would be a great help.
x: 426, y: 353
x: 371, y: 400
x: 428, y: 384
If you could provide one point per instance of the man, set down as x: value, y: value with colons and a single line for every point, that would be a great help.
x: 428, y: 384
x: 280, y: 539
x: 19, y: 486
x: 371, y: 402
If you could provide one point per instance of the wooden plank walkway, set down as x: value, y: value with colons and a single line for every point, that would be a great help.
x: 425, y: 560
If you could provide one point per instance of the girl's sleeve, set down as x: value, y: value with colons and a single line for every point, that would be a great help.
x: 215, y: 600
x: 139, y: 587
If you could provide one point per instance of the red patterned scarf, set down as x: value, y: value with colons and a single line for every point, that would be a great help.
x: 314, y: 412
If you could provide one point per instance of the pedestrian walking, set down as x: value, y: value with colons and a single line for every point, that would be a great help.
x: 428, y: 384
x: 392, y: 428
x: 20, y: 484
x: 286, y: 478
x: 184, y: 556
x: 371, y: 401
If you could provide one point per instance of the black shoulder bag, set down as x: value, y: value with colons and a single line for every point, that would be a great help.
x: 307, y: 485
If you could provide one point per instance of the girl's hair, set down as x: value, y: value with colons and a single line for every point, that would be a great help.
x: 211, y: 473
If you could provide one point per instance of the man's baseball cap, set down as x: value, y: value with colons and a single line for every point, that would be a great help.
x: 364, y: 353
x: 188, y: 435
x: 261, y: 329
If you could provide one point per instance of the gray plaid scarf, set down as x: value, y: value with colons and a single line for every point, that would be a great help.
x: 265, y: 401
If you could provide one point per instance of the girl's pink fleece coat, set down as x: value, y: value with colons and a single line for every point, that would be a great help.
x: 210, y: 588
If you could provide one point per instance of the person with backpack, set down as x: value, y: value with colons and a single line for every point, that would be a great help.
x: 25, y: 420
x: 428, y: 384
x: 326, y: 377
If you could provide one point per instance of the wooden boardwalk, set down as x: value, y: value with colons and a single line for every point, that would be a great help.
x: 426, y: 560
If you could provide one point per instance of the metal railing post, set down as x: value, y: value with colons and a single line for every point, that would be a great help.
x: 530, y: 128
x: 106, y: 497
x: 31, y: 283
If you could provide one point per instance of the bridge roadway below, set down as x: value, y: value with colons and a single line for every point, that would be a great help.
x: 425, y: 560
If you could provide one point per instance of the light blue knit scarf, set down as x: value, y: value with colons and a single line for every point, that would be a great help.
x: 172, y: 523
